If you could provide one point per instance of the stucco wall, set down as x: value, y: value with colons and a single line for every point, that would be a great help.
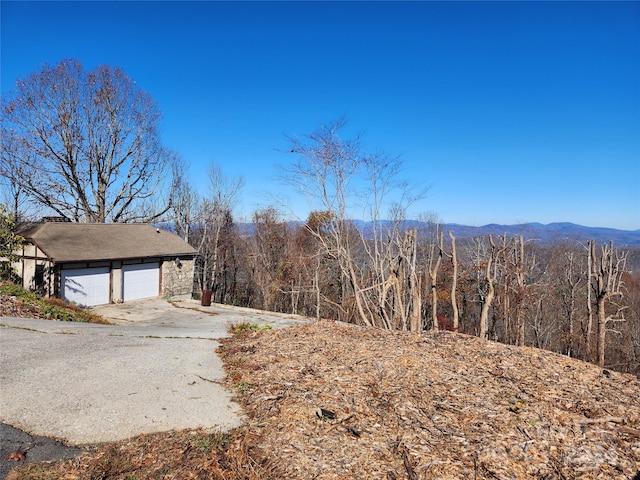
x: 116, y: 281
x: 31, y: 258
x: 177, y: 281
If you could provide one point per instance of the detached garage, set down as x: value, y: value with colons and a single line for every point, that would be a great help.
x: 95, y: 264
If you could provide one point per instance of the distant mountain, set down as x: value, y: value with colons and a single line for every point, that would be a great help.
x: 544, y: 234
x: 553, y: 232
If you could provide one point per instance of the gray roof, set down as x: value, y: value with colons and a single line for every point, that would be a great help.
x: 78, y: 242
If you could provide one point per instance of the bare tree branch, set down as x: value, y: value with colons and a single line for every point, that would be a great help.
x: 85, y: 144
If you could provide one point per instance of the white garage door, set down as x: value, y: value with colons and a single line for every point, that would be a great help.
x: 140, y: 281
x: 86, y: 286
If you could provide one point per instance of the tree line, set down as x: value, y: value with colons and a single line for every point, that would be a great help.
x: 85, y: 145
x: 577, y: 299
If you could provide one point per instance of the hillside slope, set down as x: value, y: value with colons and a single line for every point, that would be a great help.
x: 334, y: 401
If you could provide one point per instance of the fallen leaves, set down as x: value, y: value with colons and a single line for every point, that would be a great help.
x: 17, y: 456
x: 182, y: 455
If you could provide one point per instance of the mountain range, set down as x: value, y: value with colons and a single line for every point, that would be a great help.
x: 544, y: 234
x: 552, y: 232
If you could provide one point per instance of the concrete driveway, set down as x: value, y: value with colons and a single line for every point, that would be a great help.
x: 156, y: 370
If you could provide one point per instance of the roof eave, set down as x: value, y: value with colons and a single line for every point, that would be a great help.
x: 111, y: 259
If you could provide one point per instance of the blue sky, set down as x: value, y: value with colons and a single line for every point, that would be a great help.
x: 511, y: 112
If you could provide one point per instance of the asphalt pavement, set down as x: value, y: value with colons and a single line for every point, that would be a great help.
x: 156, y: 370
x: 16, y: 447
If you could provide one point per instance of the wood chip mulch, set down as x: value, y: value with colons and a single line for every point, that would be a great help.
x: 335, y: 401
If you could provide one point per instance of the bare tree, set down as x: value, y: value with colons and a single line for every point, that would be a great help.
x: 412, y: 285
x: 331, y: 172
x: 187, y: 206
x: 400, y: 297
x: 521, y: 267
x: 323, y: 171
x: 434, y: 265
x: 490, y: 278
x: 491, y: 270
x: 223, y: 192
x: 269, y: 257
x: 454, y: 282
x: 13, y: 194
x: 567, y: 280
x: 84, y: 144
x: 606, y: 281
x: 212, y: 219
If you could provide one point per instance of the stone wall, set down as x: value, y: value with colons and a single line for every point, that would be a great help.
x: 177, y: 277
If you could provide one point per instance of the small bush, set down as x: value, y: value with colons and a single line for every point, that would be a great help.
x: 244, y: 327
x: 36, y: 306
x: 12, y: 290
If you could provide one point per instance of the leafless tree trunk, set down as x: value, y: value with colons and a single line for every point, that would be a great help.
x: 569, y: 295
x: 401, y: 292
x: 490, y: 277
x: 520, y: 294
x: 413, y: 283
x: 454, y: 282
x: 206, y: 222
x: 433, y: 275
x: 589, y: 329
x: 491, y: 274
x: 606, y: 281
x: 316, y: 281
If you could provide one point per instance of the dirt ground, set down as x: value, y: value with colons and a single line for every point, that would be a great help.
x: 334, y: 401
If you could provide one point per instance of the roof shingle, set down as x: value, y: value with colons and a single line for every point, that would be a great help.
x: 74, y: 242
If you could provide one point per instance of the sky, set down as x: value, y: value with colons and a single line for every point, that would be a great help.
x: 509, y: 112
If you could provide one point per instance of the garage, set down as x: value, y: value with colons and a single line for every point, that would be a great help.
x: 86, y: 286
x: 140, y: 281
x: 98, y: 263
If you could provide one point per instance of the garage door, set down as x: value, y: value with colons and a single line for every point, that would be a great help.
x: 86, y: 286
x: 140, y: 281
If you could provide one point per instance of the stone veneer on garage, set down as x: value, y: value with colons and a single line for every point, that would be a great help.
x: 177, y: 281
